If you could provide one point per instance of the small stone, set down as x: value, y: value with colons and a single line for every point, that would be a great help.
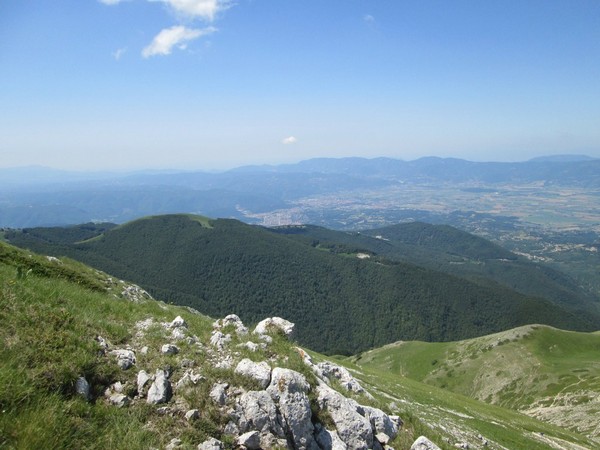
x: 271, y: 324
x: 125, y: 358
x: 169, y: 349
x: 142, y: 381
x: 260, y: 372
x: 192, y: 414
x: 211, y: 444
x: 82, y: 388
x: 187, y: 363
x: 175, y: 443
x: 178, y: 322
x: 119, y: 400
x: 250, y: 440
x: 218, y: 394
x: 160, y: 390
x: 144, y: 350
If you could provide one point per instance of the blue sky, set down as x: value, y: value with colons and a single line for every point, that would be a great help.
x: 212, y: 84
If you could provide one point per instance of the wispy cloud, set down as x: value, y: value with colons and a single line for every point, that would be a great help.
x: 110, y: 2
x: 179, y: 36
x: 117, y: 54
x: 289, y: 140
x: 197, y: 9
x: 369, y: 19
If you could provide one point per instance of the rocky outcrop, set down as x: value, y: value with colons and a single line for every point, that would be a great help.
x: 274, y: 325
x: 276, y: 413
x: 422, y: 443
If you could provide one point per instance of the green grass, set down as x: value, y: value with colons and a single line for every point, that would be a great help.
x: 522, y: 369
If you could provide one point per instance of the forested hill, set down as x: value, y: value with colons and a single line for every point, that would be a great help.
x: 447, y: 249
x: 339, y: 302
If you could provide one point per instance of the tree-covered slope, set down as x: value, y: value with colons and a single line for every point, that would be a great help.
x: 340, y: 303
x: 447, y: 249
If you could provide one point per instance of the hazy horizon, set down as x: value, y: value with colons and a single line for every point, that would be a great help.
x: 217, y: 84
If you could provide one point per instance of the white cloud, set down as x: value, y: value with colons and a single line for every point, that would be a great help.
x: 179, y: 36
x: 119, y: 52
x: 110, y: 2
x: 369, y: 19
x: 289, y: 140
x: 197, y: 9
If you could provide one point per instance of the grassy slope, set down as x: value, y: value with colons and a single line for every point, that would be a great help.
x: 548, y: 373
x: 51, y: 313
x: 334, y: 299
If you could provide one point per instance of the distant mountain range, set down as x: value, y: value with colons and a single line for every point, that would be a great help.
x: 36, y: 196
x: 346, y: 292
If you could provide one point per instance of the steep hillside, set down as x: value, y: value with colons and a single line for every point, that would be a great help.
x: 550, y: 374
x: 89, y: 361
x: 340, y: 303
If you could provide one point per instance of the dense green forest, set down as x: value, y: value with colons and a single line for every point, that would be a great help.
x: 340, y: 303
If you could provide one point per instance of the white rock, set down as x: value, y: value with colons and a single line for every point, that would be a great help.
x: 169, y: 349
x: 341, y: 374
x: 354, y: 429
x: 125, y: 358
x: 329, y: 439
x: 273, y: 324
x: 383, y: 426
x: 178, y: 322
x: 234, y: 320
x: 192, y: 414
x: 178, y: 334
x: 422, y: 443
x: 211, y: 444
x: 189, y: 378
x: 142, y: 380
x: 289, y: 389
x: 257, y: 411
x: 250, y: 440
x: 219, y: 340
x: 119, y: 400
x: 218, y: 393
x: 175, y: 443
x: 160, y: 390
x: 260, y: 372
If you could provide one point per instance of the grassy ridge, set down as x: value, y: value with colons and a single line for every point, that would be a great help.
x: 545, y: 372
x: 341, y: 304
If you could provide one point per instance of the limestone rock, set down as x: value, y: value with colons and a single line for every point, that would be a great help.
x: 82, y: 388
x: 211, y: 444
x: 422, y: 443
x: 341, y: 374
x: 189, y: 378
x: 232, y: 320
x: 119, y: 400
x: 178, y: 322
x: 192, y: 414
x: 250, y: 440
x: 218, y: 393
x: 160, y: 390
x: 260, y: 372
x: 328, y: 439
x: 169, y: 349
x: 353, y: 428
x: 125, y: 358
x: 257, y: 411
x: 142, y: 382
x: 272, y: 324
x: 219, y: 340
x: 289, y: 389
x: 383, y: 426
x: 175, y: 443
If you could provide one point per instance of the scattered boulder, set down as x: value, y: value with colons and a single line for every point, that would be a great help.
x: 232, y: 320
x: 189, y: 378
x: 384, y: 428
x: 82, y: 388
x: 219, y: 340
x: 341, y: 374
x: 274, y: 324
x: 211, y: 444
x: 178, y: 322
x: 192, y: 414
x: 169, y: 349
x: 119, y: 400
x: 422, y: 443
x: 218, y: 393
x: 260, y: 372
x: 142, y: 382
x: 328, y: 439
x: 249, y: 440
x: 160, y: 390
x: 125, y: 358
